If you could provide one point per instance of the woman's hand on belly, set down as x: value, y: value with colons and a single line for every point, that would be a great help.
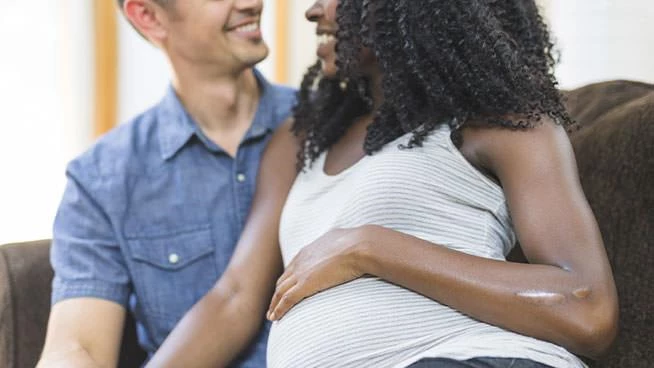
x: 329, y: 261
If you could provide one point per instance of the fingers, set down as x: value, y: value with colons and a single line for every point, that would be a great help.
x: 288, y: 272
x: 287, y: 301
x: 285, y: 283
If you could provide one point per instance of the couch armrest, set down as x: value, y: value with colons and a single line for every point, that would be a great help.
x: 25, y: 289
x: 6, y: 315
x: 25, y: 278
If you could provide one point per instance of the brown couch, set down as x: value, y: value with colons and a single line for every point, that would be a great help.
x: 25, y: 286
x: 615, y: 152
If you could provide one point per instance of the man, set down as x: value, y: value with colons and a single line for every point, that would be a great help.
x: 151, y: 213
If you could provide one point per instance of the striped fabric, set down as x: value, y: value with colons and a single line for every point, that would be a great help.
x: 430, y: 192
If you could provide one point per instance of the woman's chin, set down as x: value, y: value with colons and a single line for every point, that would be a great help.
x: 329, y: 70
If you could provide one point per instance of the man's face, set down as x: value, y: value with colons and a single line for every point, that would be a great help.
x: 219, y: 32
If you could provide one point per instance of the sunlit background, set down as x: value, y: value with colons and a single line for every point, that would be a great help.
x: 49, y: 79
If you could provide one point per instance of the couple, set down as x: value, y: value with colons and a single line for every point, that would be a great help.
x: 425, y: 142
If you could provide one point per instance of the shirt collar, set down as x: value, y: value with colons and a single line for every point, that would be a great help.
x: 176, y: 126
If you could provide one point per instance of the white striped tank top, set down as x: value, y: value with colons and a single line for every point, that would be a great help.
x: 431, y: 192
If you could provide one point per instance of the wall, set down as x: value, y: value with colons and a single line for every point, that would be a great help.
x: 46, y: 89
x: 598, y: 39
x: 143, y: 72
x: 46, y: 82
x: 303, y: 41
x: 45, y: 74
x: 603, y: 39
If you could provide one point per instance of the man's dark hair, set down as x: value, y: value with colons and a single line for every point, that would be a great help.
x: 463, y: 61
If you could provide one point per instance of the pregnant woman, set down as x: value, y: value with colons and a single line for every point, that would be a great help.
x: 430, y: 137
x: 432, y: 141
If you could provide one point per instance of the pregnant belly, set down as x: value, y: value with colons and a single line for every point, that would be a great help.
x: 364, y: 323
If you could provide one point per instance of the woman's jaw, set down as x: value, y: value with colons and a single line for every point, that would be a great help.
x: 326, y: 52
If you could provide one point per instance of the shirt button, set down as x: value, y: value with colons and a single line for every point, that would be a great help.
x: 240, y: 178
x: 173, y: 258
x: 258, y: 131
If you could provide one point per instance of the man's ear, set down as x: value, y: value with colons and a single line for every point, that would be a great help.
x: 149, y: 18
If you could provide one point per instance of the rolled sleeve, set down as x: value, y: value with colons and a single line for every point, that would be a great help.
x: 85, y: 255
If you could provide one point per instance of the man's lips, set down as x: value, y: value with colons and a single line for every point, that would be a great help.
x: 245, y: 25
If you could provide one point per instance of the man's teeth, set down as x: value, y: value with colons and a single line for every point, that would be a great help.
x: 324, y: 39
x: 248, y: 28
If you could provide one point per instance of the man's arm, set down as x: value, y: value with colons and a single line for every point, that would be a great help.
x: 83, y: 332
x: 91, y: 284
x: 222, y: 323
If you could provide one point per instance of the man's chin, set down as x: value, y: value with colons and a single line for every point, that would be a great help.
x: 254, y: 57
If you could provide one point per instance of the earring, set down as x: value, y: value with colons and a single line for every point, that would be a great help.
x: 344, y: 84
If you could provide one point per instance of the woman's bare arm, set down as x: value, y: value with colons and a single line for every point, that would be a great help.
x: 566, y: 295
x: 223, y: 322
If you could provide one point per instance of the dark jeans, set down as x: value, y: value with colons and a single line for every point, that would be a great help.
x: 477, y: 363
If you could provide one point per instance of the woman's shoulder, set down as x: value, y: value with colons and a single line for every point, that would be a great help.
x: 499, y: 149
x: 281, y: 153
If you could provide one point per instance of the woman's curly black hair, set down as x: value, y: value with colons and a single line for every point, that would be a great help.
x: 463, y: 61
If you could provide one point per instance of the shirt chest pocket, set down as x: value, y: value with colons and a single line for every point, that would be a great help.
x: 171, y: 273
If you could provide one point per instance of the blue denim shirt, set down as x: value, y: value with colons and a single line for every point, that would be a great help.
x: 152, y: 212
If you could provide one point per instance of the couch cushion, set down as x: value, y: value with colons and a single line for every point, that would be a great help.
x: 615, y: 154
x: 588, y: 103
